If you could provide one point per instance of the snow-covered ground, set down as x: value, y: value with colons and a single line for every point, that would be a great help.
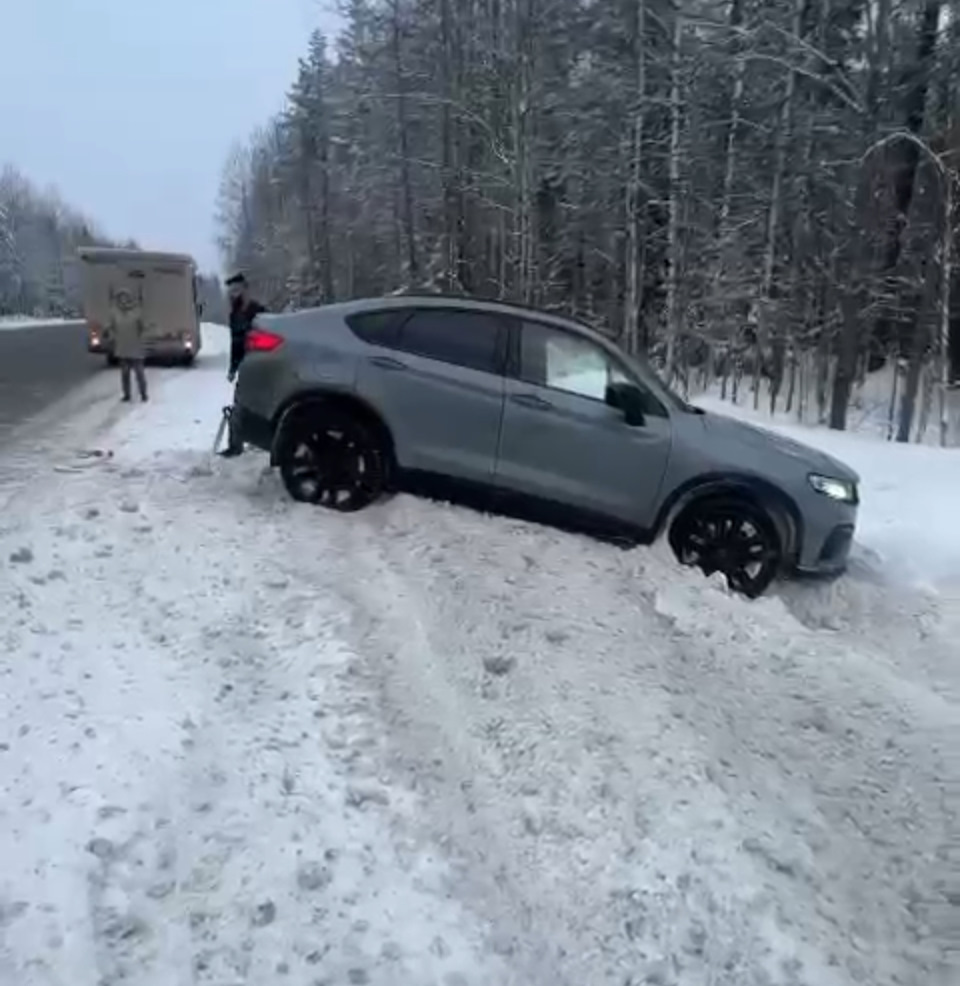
x: 243, y: 741
x: 874, y: 404
x: 14, y: 322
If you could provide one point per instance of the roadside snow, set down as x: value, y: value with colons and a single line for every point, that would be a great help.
x: 909, y: 517
x: 869, y: 412
x: 10, y: 323
x: 191, y: 781
x: 242, y: 741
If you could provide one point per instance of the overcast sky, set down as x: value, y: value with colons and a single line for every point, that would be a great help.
x: 130, y: 107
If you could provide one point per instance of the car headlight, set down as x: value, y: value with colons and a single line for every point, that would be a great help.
x: 842, y: 490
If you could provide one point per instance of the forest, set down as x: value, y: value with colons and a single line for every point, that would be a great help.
x: 39, y: 267
x: 760, y: 196
x: 39, y: 236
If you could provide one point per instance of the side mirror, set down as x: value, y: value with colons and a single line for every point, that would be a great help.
x: 628, y: 399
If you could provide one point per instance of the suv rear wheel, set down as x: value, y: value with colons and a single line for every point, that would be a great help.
x: 729, y: 535
x: 331, y: 457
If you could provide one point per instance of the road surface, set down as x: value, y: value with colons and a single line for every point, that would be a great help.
x: 40, y: 364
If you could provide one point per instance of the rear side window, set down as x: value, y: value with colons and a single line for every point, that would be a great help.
x: 377, y: 328
x: 468, y: 339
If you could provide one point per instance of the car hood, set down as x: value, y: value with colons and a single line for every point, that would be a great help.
x: 730, y: 430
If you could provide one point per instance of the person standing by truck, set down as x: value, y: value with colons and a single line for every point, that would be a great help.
x: 243, y: 310
x: 127, y: 331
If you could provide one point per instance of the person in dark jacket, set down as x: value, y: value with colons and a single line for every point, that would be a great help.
x: 243, y: 310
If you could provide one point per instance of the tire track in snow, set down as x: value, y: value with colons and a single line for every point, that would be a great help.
x: 792, y: 771
x: 247, y: 834
x: 551, y: 812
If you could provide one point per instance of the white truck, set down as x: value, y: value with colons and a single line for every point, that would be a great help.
x: 165, y: 285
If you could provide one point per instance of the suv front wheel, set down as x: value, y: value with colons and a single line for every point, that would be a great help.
x: 732, y: 536
x: 331, y: 457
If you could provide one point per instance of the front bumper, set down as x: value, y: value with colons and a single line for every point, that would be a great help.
x: 832, y: 555
x: 826, y: 535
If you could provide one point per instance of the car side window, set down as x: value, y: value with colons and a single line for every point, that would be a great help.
x: 562, y: 361
x: 468, y: 339
x: 377, y: 328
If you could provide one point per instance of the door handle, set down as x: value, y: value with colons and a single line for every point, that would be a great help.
x: 532, y: 401
x: 387, y: 363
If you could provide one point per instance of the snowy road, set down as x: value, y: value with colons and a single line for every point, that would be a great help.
x: 246, y: 742
x: 40, y: 362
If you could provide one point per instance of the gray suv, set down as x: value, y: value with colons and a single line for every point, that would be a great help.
x: 524, y: 411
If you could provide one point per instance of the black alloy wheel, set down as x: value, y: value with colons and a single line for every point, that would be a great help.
x: 332, y: 459
x: 731, y: 536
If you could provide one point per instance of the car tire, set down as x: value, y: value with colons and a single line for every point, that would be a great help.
x: 333, y: 458
x: 112, y: 360
x: 731, y: 535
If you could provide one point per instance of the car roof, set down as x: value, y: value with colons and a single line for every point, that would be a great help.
x: 466, y: 303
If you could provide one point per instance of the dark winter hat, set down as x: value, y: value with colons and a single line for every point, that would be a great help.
x: 235, y: 279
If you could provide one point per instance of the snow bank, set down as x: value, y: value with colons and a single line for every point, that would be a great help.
x: 10, y: 323
x: 243, y: 741
x: 869, y: 410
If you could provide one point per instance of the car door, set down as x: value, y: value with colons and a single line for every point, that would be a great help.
x: 562, y: 442
x: 437, y: 379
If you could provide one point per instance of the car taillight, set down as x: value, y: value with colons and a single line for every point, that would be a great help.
x: 262, y: 341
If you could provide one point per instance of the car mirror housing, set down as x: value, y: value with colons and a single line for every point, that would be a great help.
x: 628, y: 399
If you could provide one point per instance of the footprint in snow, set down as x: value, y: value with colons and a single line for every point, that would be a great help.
x: 498, y: 664
x: 265, y: 913
x: 360, y: 796
x: 103, y: 849
x: 312, y: 876
x: 22, y: 556
x: 10, y: 912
